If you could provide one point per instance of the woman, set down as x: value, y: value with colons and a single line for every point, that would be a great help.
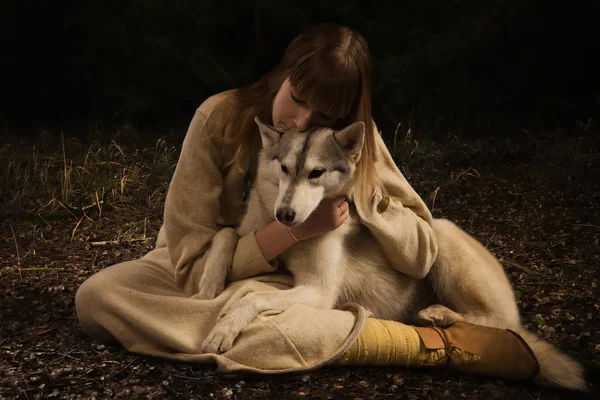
x: 149, y: 305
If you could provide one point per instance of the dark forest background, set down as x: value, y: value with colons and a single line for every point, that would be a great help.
x: 462, y: 66
x: 501, y: 98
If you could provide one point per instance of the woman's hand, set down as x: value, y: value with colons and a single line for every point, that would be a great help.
x: 328, y: 216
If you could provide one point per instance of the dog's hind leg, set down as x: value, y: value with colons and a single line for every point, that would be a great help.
x: 469, y: 281
x: 439, y: 315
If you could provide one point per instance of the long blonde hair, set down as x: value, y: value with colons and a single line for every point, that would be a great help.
x: 330, y: 67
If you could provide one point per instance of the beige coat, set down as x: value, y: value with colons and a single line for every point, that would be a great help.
x: 148, y: 305
x: 203, y: 193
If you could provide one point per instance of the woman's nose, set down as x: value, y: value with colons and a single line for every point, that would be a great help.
x: 303, y: 122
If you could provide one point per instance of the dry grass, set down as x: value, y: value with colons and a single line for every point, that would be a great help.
x: 75, y: 208
x: 77, y: 178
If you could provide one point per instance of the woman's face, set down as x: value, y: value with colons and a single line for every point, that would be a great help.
x: 290, y: 111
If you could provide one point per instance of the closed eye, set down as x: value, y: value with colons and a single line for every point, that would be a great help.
x: 297, y: 100
x: 326, y: 117
x: 302, y: 102
x: 315, y: 173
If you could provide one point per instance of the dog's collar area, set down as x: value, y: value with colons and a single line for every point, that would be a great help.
x: 248, y: 185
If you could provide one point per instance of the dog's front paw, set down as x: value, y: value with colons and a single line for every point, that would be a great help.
x: 209, y: 290
x: 212, y: 282
x: 222, y: 336
x: 218, y: 263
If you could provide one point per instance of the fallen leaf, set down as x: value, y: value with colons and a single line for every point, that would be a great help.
x: 40, y: 332
x: 398, y: 380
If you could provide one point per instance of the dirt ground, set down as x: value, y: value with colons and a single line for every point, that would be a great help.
x: 533, y: 201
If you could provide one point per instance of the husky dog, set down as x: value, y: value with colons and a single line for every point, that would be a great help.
x: 296, y: 170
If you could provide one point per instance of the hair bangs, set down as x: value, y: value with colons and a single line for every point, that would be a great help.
x: 334, y: 94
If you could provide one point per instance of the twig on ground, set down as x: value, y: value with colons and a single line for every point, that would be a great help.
x: 18, y: 256
x: 516, y: 265
x: 127, y: 366
x: 95, y: 259
x: 117, y: 242
x: 40, y: 269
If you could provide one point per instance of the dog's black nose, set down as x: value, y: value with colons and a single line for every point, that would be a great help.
x: 285, y: 215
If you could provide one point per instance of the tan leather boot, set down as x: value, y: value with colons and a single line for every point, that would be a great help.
x: 482, y: 350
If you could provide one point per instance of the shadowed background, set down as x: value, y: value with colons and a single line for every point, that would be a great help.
x: 461, y: 66
x: 497, y: 102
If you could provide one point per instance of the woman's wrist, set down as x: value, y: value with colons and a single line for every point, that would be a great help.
x: 298, y: 233
x: 275, y: 238
x: 294, y: 236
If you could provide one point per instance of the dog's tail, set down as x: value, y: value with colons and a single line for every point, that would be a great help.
x: 557, y: 369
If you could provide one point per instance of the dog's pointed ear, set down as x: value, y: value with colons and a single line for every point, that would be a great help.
x: 352, y: 138
x: 269, y: 135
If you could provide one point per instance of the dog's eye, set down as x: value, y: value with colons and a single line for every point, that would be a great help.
x: 284, y: 169
x: 315, y: 173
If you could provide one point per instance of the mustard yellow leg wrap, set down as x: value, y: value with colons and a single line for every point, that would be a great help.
x: 463, y: 347
x: 382, y: 343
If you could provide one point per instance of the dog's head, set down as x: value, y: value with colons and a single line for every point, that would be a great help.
x: 309, y: 166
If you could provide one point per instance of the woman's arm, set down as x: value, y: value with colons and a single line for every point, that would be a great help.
x: 192, y: 209
x: 399, y: 220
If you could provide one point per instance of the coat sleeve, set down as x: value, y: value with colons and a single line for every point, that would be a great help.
x: 192, y: 209
x: 399, y: 220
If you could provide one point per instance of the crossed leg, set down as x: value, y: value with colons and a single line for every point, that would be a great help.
x: 222, y: 336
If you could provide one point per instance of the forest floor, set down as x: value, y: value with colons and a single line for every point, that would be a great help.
x: 71, y: 208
